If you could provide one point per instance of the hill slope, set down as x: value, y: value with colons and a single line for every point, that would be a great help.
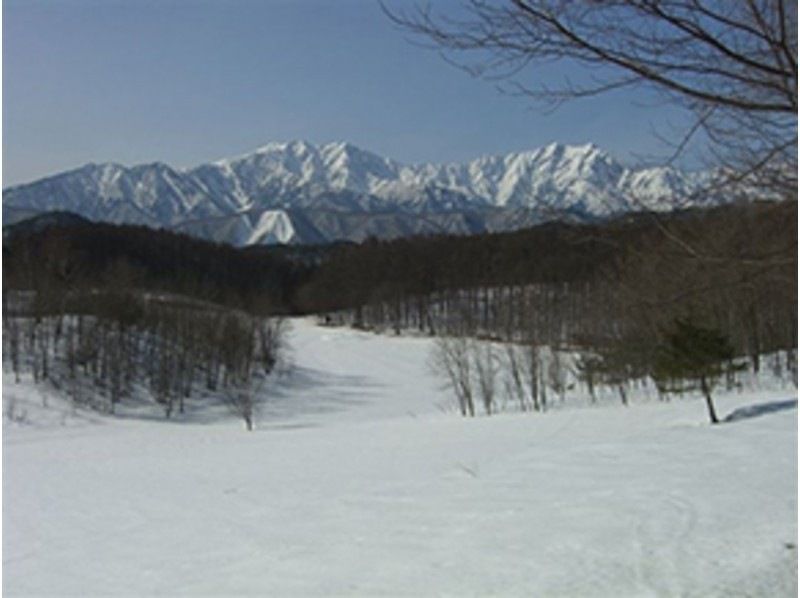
x: 356, y: 483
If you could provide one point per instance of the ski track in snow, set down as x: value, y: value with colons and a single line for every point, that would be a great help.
x: 357, y: 483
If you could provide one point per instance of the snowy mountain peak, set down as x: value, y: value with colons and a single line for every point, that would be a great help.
x: 340, y: 190
x: 296, y: 146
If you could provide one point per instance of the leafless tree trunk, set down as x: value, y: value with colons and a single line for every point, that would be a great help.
x: 515, y: 386
x: 588, y: 367
x: 271, y: 339
x: 240, y: 397
x: 557, y: 374
x: 11, y: 330
x: 452, y: 357
x: 485, y: 360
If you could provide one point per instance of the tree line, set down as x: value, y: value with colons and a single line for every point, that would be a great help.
x: 579, y: 284
x: 613, y: 304
x: 610, y: 293
x: 116, y: 314
x: 89, y: 254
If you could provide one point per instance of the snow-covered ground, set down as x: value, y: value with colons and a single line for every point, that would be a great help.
x: 359, y: 481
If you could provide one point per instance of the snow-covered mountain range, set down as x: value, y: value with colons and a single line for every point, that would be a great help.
x: 298, y: 192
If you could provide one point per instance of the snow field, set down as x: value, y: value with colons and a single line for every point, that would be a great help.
x: 357, y: 482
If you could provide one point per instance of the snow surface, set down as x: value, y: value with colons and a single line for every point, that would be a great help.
x: 361, y: 480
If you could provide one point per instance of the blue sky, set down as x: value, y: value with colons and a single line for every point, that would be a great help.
x: 188, y: 81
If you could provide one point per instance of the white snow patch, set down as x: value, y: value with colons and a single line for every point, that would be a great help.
x: 357, y: 483
x: 273, y: 226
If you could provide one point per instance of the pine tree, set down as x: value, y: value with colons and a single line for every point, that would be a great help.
x: 694, y: 354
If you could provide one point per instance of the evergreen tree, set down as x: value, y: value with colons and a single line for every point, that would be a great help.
x: 694, y: 354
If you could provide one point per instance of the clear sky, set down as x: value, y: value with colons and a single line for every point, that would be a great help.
x: 189, y: 81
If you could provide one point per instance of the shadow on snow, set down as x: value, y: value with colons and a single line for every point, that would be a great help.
x: 304, y: 392
x: 760, y: 409
x: 296, y: 394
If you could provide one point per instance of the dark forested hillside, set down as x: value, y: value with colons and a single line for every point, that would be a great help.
x: 552, y: 253
x: 70, y: 255
x: 740, y: 253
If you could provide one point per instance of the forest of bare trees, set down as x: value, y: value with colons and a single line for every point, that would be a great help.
x: 523, y: 331
x: 106, y: 347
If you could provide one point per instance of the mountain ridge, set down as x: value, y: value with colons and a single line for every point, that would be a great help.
x: 343, y: 192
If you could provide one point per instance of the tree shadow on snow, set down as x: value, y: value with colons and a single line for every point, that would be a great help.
x: 202, y: 410
x: 760, y: 409
x: 287, y: 401
x: 305, y: 391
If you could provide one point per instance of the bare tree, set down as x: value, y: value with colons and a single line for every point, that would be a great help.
x: 451, y: 356
x: 11, y: 333
x: 514, y: 370
x: 271, y: 341
x: 242, y: 397
x: 532, y: 365
x: 731, y: 65
x: 244, y: 341
x: 587, y: 368
x: 485, y: 361
x: 556, y: 373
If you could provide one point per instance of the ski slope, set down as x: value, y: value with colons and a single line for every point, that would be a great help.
x: 361, y: 480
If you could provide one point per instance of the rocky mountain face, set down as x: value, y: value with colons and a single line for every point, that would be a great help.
x: 302, y: 193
